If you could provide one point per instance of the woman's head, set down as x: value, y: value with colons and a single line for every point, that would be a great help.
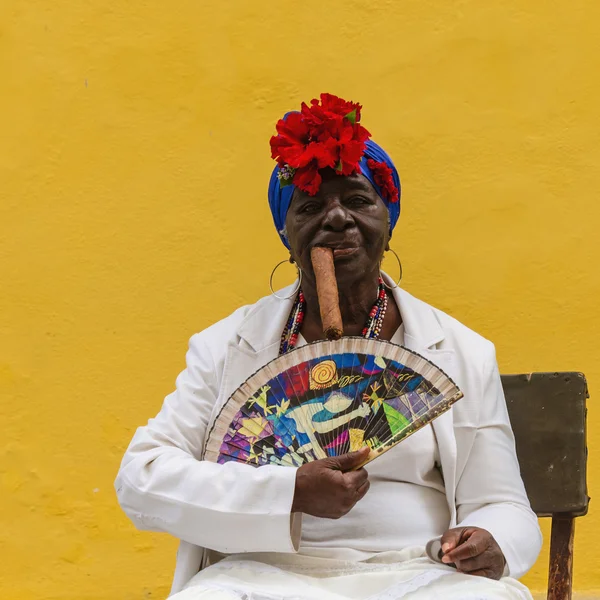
x: 332, y: 186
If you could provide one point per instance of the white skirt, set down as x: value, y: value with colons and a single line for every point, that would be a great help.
x: 406, y: 574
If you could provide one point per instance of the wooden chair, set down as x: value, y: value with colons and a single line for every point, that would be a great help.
x: 548, y: 416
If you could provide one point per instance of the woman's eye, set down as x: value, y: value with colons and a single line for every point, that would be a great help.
x: 357, y: 201
x: 311, y: 207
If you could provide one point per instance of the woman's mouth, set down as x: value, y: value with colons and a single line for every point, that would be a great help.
x: 343, y: 252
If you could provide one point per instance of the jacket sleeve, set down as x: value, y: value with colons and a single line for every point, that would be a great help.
x: 163, y: 485
x: 490, y: 493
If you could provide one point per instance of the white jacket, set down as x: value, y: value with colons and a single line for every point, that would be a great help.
x: 164, y: 485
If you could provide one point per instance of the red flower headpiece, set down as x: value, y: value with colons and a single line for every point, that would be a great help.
x: 325, y: 134
x: 382, y: 175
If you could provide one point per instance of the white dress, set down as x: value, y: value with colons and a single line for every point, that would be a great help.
x: 396, y: 575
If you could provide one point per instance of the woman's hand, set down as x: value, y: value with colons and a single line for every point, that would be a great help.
x: 474, y: 551
x: 328, y: 488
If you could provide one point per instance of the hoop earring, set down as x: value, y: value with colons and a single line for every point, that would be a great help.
x: 397, y: 284
x: 297, y: 287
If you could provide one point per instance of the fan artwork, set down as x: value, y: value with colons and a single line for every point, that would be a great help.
x: 329, y: 405
x: 328, y: 398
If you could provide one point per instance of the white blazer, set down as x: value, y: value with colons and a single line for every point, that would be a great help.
x: 164, y: 485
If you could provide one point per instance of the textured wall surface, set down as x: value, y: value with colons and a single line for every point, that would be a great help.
x: 133, y: 169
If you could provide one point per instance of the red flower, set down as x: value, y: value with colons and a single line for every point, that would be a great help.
x: 352, y: 148
x: 326, y: 134
x: 336, y: 105
x: 293, y: 135
x: 383, y: 178
x: 308, y: 179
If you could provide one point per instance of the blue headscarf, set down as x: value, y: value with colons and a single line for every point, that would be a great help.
x: 280, y: 198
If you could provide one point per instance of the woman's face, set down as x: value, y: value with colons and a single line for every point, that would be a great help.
x: 346, y: 215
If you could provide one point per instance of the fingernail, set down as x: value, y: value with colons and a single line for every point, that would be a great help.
x: 445, y: 559
x: 445, y: 547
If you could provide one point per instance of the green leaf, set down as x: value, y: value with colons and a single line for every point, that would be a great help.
x: 351, y: 116
x: 339, y: 166
x: 285, y: 182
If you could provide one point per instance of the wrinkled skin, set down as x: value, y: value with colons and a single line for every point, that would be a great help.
x: 346, y: 213
x: 328, y: 487
x: 473, y: 551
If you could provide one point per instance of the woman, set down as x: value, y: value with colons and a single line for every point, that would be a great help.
x: 323, y: 530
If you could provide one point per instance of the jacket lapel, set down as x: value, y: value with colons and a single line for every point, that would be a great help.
x: 423, y: 334
x: 259, y: 336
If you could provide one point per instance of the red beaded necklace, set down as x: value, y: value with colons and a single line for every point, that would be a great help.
x: 372, y: 329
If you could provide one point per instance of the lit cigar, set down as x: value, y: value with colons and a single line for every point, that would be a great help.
x: 329, y: 300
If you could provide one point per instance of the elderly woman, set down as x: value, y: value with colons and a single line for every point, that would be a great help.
x: 326, y: 530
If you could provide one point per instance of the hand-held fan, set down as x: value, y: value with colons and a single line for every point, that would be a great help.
x: 329, y: 397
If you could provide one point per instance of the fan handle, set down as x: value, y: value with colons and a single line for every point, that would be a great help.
x: 373, y: 454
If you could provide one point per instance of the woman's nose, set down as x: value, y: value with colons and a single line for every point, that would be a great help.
x: 337, y: 218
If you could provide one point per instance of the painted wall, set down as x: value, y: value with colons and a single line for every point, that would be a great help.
x: 133, y: 169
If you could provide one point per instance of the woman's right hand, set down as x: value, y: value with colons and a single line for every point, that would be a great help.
x: 328, y: 487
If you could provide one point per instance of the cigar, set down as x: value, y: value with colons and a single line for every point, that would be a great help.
x: 329, y: 300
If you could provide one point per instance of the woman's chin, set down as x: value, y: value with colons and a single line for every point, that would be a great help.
x: 349, y: 271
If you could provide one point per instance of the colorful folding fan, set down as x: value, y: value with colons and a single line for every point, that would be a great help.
x: 328, y: 398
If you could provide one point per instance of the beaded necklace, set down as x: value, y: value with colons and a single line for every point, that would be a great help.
x: 372, y: 329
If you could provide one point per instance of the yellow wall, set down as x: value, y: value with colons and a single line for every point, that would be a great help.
x: 133, y: 168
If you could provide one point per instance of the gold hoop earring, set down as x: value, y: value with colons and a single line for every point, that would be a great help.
x: 397, y: 284
x: 298, y: 269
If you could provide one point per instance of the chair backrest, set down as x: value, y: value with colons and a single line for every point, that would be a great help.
x: 548, y: 416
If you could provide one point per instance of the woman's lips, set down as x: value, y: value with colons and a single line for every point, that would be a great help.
x: 342, y: 252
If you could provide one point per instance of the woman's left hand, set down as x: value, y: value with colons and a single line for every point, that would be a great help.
x: 474, y: 551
